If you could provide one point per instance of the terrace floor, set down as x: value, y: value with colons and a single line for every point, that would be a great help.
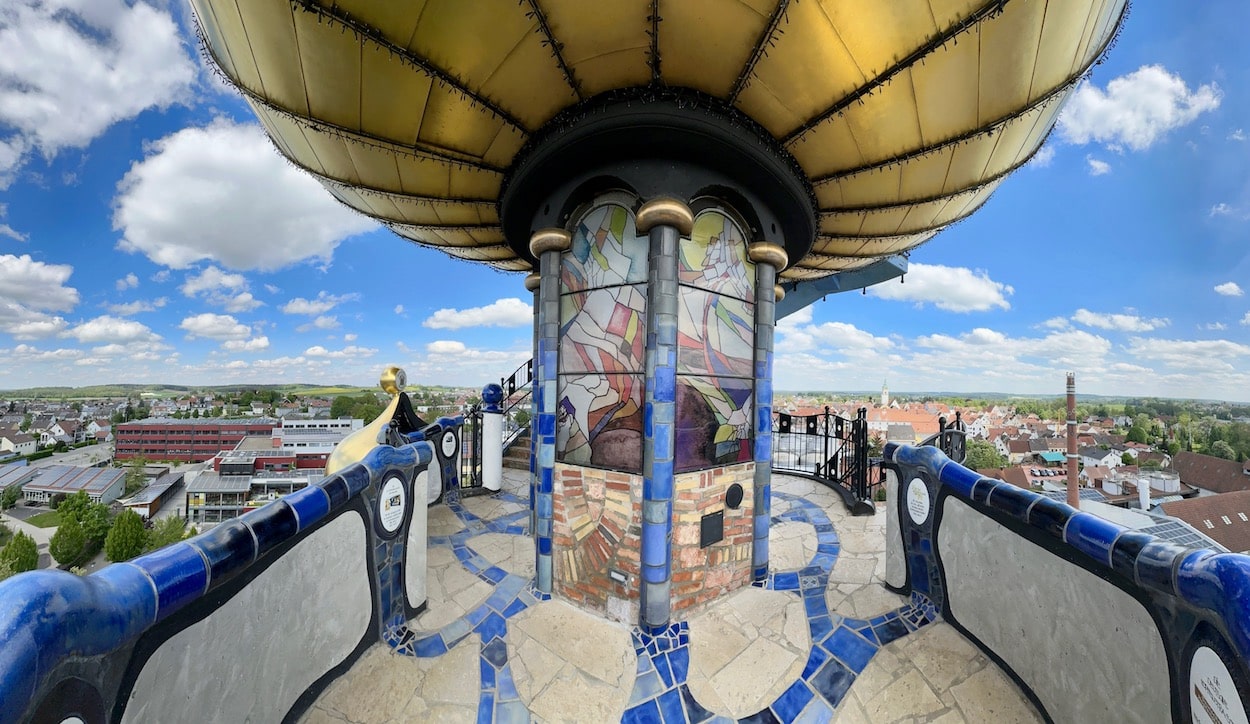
x: 489, y: 648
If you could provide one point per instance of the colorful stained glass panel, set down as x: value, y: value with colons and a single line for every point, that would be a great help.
x: 606, y: 251
x: 713, y: 422
x: 603, y: 330
x: 715, y: 334
x: 715, y: 257
x: 599, y: 421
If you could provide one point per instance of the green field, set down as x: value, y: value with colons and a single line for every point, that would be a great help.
x: 47, y: 519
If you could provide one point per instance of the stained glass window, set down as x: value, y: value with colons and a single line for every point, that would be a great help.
x: 716, y: 342
x: 602, y: 342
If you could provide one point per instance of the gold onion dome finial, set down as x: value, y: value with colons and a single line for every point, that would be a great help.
x: 393, y: 380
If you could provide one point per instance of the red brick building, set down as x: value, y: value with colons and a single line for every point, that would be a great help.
x: 185, y: 440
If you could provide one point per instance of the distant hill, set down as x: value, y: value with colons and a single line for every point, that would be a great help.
x: 166, y: 390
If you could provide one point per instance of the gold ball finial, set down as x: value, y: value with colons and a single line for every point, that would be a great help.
x: 394, y: 380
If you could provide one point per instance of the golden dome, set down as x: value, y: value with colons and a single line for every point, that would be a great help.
x: 900, y: 117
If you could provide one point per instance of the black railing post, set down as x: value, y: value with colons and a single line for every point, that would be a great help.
x: 824, y: 458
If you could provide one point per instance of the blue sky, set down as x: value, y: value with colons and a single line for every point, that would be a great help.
x: 149, y: 233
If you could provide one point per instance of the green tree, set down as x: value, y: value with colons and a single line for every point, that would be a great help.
x: 341, y: 406
x: 69, y: 544
x: 6, y: 570
x: 135, y: 477
x: 981, y: 455
x: 164, y: 532
x: 127, y: 538
x: 1126, y: 459
x: 26, y: 422
x: 96, y: 522
x: 21, y: 553
x: 1221, y: 449
x: 9, y: 497
x: 1136, y: 434
x: 75, y: 506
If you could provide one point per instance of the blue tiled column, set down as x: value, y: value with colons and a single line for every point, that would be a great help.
x: 665, y: 221
x: 546, y: 245
x: 768, y: 259
x: 532, y: 283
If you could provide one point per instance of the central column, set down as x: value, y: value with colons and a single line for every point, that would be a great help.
x: 768, y: 259
x: 665, y: 221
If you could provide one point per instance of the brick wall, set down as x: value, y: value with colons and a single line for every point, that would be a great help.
x: 703, y: 574
x: 596, y: 528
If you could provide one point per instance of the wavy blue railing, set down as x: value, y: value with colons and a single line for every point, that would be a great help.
x: 1211, y: 587
x: 48, y: 616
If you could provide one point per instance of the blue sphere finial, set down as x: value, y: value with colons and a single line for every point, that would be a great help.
x: 492, y: 395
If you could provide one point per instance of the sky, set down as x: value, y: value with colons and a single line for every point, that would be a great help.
x: 150, y: 233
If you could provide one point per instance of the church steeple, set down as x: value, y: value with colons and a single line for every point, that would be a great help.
x: 885, y: 394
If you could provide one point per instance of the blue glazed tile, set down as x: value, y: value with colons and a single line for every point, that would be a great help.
x: 1050, y: 516
x: 764, y: 716
x: 646, y: 687
x: 494, y: 574
x: 336, y: 490
x: 849, y: 648
x: 505, y: 686
x: 820, y: 627
x: 960, y: 479
x: 511, y: 712
x: 891, y: 630
x: 272, y: 524
x: 477, y: 615
x: 228, y: 547
x: 1013, y: 501
x: 357, y: 478
x: 832, y: 682
x: 647, y: 712
x: 485, y: 708
x: 815, y: 660
x: 514, y: 608
x: 816, y: 605
x: 694, y: 710
x: 456, y: 630
x: 496, y: 652
x: 1092, y: 535
x: 493, y: 627
x: 983, y: 488
x: 429, y: 646
x: 122, y: 604
x: 671, y: 708
x: 679, y: 662
x: 662, y: 668
x: 180, y: 575
x: 786, y: 581
x: 487, y: 672
x: 310, y: 504
x: 792, y: 701
x: 816, y: 712
x: 1125, y: 550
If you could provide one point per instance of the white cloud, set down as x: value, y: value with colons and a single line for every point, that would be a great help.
x: 954, y: 289
x: 222, y: 193
x: 212, y: 279
x: 111, y: 329
x: 510, y: 312
x: 399, y: 309
x: 1245, y: 321
x: 323, y: 303
x: 1056, y: 323
x: 1135, y: 110
x: 1213, y: 326
x: 1229, y: 289
x: 1120, y: 322
x: 349, y: 352
x: 325, y: 321
x: 137, y: 306
x: 251, y: 345
x: 1221, y: 209
x: 349, y: 337
x: 26, y: 353
x: 1237, y: 135
x: 1189, y: 354
x: 29, y: 291
x: 215, y: 326
x: 1097, y: 167
x: 244, y: 302
x: 10, y: 232
x: 69, y: 70
x: 130, y: 281
x: 446, y: 346
x: 1043, y: 157
x: 161, y: 276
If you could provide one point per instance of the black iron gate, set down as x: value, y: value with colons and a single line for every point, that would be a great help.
x: 517, y: 389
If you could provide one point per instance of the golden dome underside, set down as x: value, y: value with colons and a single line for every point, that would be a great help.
x: 905, y: 116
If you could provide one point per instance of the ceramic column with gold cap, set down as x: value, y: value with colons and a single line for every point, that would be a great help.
x: 768, y: 258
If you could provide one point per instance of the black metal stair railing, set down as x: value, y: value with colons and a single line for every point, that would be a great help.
x: 517, y: 391
x: 828, y: 448
x: 951, y: 439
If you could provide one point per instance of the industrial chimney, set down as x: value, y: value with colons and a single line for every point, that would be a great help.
x: 1074, y: 498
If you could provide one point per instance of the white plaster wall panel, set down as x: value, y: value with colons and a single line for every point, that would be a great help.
x: 1089, y: 650
x: 415, y: 549
x: 895, y: 561
x: 253, y: 657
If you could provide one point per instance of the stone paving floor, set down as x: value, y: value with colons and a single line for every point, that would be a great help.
x: 821, y: 640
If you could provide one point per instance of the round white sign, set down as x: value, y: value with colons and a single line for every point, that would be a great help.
x: 918, y: 501
x: 448, y: 443
x: 391, y: 504
x: 1212, y: 695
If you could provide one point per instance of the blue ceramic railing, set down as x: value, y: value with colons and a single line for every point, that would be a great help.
x: 49, y: 618
x: 1192, y: 599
